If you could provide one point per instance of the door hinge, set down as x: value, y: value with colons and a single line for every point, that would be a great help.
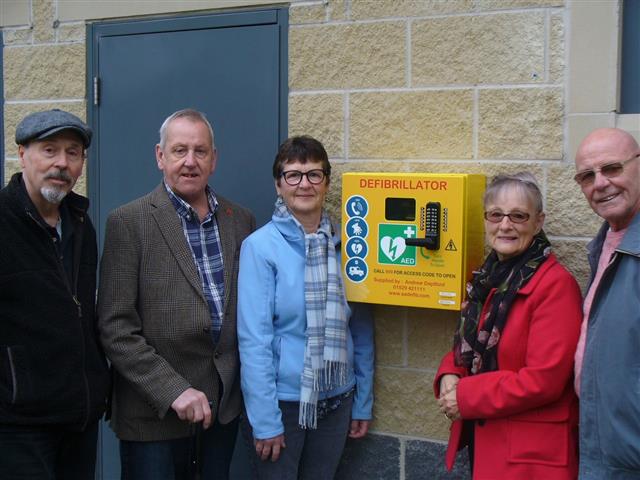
x: 96, y: 91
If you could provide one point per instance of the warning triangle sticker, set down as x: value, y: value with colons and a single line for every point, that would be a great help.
x: 451, y: 247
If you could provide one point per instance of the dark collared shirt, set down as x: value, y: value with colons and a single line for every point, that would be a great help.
x: 206, y: 249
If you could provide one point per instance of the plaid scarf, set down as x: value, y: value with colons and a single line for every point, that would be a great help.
x: 325, y: 354
x: 477, y: 350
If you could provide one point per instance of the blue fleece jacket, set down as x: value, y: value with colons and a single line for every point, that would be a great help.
x: 272, y: 329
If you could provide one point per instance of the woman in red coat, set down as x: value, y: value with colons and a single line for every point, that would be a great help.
x: 507, y: 384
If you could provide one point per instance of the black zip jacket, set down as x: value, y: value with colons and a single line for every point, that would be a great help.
x: 52, y: 368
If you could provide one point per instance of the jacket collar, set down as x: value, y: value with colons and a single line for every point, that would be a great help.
x: 531, y: 285
x: 168, y: 222
x: 77, y: 204
x: 630, y: 242
x: 166, y: 217
x: 289, y: 229
x: 294, y: 234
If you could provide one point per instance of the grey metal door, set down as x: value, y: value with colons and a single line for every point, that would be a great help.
x: 232, y: 66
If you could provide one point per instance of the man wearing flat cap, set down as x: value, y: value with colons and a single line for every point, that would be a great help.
x: 54, y: 379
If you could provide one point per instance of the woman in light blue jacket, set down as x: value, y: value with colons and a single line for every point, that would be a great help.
x: 306, y: 356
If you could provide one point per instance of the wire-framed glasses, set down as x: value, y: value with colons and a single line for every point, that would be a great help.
x: 496, y: 216
x: 609, y: 170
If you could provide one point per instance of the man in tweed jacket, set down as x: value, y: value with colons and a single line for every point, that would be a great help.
x: 167, y: 311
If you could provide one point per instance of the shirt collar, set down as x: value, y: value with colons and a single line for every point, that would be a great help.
x: 184, y: 209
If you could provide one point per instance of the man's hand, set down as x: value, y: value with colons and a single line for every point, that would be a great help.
x: 359, y: 428
x: 269, y: 447
x: 193, y: 406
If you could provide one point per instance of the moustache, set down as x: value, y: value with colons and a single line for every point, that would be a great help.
x: 60, y: 175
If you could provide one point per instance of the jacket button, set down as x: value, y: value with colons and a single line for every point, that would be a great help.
x: 206, y: 329
x: 216, y: 354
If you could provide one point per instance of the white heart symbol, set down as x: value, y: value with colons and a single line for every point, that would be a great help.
x: 356, y: 248
x: 392, y: 247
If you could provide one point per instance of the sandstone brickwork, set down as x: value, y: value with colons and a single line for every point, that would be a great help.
x: 505, y: 49
x: 44, y: 68
x: 347, y: 56
x: 465, y: 86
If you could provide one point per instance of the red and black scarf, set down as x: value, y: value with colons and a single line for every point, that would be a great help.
x: 477, y: 350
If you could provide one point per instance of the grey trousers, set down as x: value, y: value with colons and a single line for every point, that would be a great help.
x: 309, y: 454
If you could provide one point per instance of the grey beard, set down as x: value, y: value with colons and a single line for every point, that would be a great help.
x: 53, y: 195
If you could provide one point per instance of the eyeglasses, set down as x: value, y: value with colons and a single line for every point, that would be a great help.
x: 609, y: 170
x: 294, y: 177
x: 496, y: 216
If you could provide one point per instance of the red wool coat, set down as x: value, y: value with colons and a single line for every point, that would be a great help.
x: 528, y: 407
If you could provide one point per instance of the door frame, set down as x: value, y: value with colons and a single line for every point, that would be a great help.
x: 212, y: 19
x: 2, y: 132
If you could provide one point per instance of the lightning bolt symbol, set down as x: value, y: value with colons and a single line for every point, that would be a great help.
x: 392, y: 250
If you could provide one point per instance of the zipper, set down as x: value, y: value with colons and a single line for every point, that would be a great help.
x: 72, y: 290
x: 596, y: 295
x: 76, y: 275
x: 14, y: 380
x: 78, y: 304
x: 58, y: 262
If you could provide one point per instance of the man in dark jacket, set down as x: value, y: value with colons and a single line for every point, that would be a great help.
x: 54, y: 379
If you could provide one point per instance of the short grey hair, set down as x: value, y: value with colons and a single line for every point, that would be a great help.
x: 189, y: 113
x: 523, y: 182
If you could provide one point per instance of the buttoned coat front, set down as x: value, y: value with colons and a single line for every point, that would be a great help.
x: 526, y: 412
x: 154, y: 320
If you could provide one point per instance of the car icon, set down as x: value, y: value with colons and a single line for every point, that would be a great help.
x: 356, y: 271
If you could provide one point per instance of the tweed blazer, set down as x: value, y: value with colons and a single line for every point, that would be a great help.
x: 154, y: 319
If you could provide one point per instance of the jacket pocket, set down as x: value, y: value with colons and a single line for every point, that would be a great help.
x: 539, y: 442
x: 14, y: 381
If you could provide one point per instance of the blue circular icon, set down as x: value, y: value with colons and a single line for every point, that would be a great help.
x: 356, y: 247
x: 356, y: 270
x: 357, y: 206
x: 357, y: 227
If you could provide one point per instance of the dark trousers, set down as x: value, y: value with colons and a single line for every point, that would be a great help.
x: 47, y: 452
x: 309, y: 454
x: 171, y: 459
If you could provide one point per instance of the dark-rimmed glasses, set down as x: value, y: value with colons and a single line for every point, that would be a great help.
x: 496, y: 216
x: 294, y: 177
x: 609, y: 170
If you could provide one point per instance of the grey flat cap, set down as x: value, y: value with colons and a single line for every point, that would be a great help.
x: 40, y: 125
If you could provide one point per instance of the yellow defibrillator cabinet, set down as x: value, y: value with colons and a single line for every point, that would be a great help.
x: 411, y: 239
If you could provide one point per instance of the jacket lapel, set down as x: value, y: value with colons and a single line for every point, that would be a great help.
x: 170, y: 227
x: 225, y: 218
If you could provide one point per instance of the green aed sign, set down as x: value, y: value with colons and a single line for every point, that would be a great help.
x: 392, y: 249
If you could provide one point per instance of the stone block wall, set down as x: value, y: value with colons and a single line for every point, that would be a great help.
x: 443, y: 86
x: 457, y: 86
x: 44, y: 67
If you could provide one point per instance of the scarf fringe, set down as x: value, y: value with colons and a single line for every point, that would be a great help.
x: 308, y: 415
x: 331, y: 376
